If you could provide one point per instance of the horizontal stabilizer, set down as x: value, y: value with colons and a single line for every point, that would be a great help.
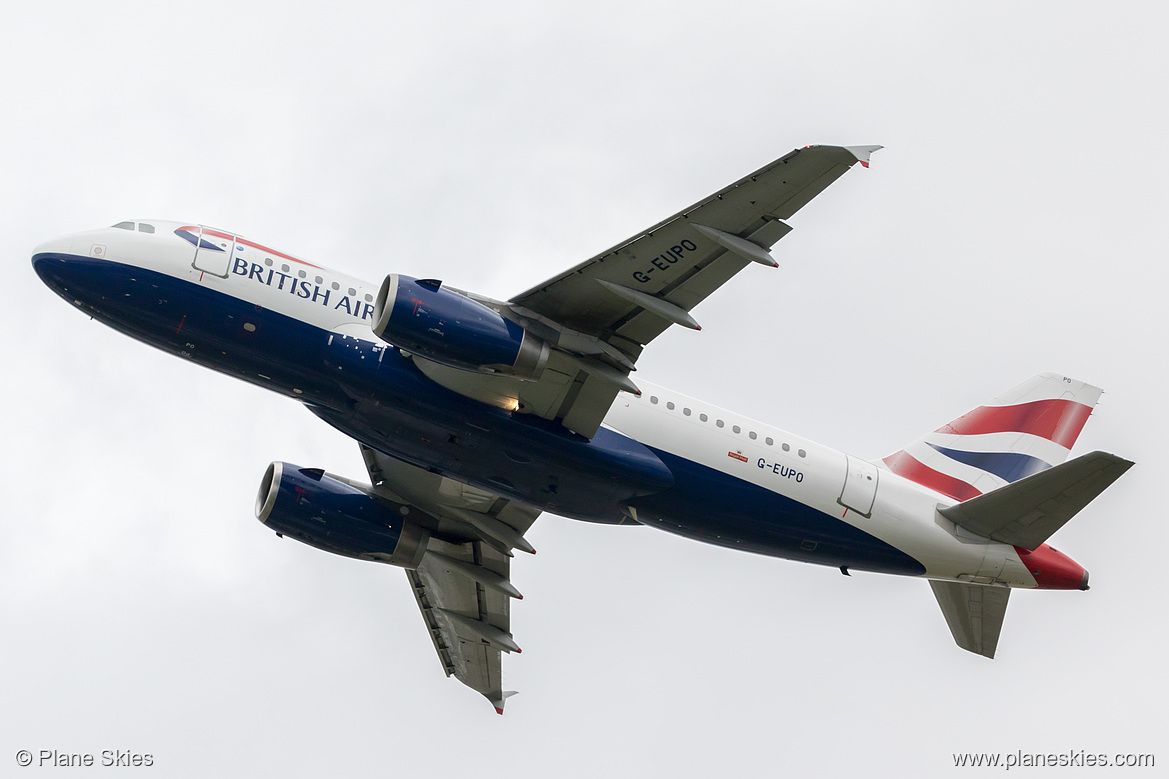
x: 1027, y: 512
x: 974, y: 613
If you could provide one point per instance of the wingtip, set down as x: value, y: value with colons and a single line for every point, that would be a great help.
x: 499, y: 702
x: 862, y: 153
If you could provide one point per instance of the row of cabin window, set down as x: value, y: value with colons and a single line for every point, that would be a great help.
x: 719, y: 423
x: 318, y: 279
x: 147, y: 228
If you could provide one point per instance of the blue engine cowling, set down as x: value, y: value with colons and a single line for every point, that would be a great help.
x: 313, y: 507
x: 450, y: 328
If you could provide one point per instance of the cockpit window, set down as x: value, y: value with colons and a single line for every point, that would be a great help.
x: 125, y: 225
x: 145, y: 228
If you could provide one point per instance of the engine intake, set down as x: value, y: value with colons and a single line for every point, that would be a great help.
x: 322, y: 511
x: 450, y: 328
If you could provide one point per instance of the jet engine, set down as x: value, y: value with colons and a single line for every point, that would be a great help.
x: 323, y: 511
x: 426, y: 319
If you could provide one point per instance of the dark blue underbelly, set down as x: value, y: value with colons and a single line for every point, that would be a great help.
x: 714, y: 507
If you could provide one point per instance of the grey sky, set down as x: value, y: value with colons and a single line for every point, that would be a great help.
x: 1012, y: 225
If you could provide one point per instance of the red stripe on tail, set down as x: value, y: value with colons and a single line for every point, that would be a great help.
x: 1056, y: 420
x: 911, y: 468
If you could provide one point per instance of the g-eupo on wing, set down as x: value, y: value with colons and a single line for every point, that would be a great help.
x: 629, y: 294
x: 608, y: 308
x: 565, y: 348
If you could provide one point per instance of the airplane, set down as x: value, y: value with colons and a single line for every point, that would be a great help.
x: 474, y: 416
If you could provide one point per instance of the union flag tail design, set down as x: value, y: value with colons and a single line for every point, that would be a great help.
x: 1023, y: 431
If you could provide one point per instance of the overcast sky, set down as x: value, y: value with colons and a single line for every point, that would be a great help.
x: 1013, y: 224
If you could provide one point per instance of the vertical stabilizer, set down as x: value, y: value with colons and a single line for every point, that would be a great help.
x: 1022, y: 432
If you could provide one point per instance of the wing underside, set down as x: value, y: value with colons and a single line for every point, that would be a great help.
x: 631, y: 293
x: 462, y: 585
x: 444, y: 594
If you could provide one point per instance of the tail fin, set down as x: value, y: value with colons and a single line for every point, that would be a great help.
x: 1021, y: 432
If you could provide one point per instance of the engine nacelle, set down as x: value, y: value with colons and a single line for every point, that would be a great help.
x: 450, y: 328
x: 309, y: 505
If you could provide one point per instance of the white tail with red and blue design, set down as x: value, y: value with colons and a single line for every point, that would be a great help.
x: 1022, y: 432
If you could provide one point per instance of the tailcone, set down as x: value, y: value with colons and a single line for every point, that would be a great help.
x: 1053, y: 570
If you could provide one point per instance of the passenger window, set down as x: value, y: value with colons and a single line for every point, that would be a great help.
x: 284, y: 268
x: 686, y: 411
x: 319, y: 280
x: 653, y: 399
x: 703, y: 417
x: 786, y: 448
x: 752, y: 435
x: 737, y: 429
x: 768, y: 440
x: 368, y: 298
x: 352, y: 291
x: 145, y: 228
x: 125, y: 225
x: 302, y: 274
x: 336, y: 285
x: 802, y: 453
x: 268, y: 261
x: 720, y: 423
x: 670, y: 405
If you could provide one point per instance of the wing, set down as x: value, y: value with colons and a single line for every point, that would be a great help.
x: 601, y: 313
x: 462, y: 584
x: 629, y: 294
x: 974, y: 613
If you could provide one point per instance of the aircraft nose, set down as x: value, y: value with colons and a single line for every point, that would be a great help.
x: 50, y: 252
x: 49, y: 259
x: 67, y: 261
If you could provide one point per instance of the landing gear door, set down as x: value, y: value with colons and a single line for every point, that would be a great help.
x: 860, y: 487
x: 214, y: 252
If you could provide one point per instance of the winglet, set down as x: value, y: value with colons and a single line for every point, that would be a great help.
x: 498, y: 702
x: 862, y: 153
